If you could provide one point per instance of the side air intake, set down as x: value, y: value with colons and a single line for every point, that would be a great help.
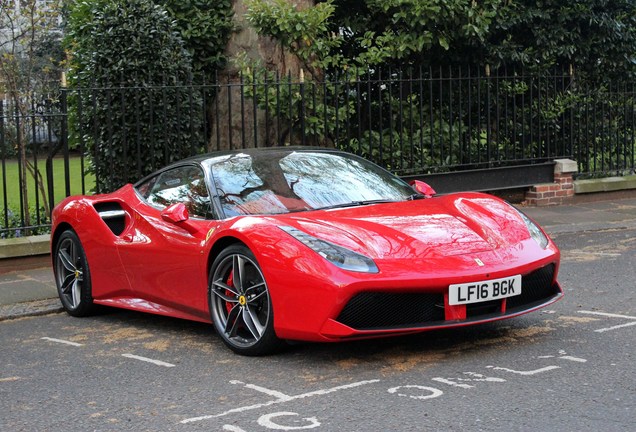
x: 113, y: 216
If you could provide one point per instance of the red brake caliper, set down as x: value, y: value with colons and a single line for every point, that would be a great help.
x: 229, y: 282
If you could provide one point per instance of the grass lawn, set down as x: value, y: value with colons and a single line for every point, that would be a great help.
x: 10, y: 172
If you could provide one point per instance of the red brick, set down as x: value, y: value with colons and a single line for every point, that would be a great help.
x: 542, y: 187
x: 564, y: 180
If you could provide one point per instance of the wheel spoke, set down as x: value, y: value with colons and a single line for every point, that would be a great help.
x: 254, y: 300
x: 238, y: 267
x: 219, y: 283
x: 66, y: 260
x: 220, y: 294
x: 254, y: 287
x: 67, y: 283
x: 232, y: 321
x: 72, y: 249
x: 76, y: 290
x: 252, y: 323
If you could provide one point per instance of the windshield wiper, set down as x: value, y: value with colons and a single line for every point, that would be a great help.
x: 356, y: 204
x: 416, y: 196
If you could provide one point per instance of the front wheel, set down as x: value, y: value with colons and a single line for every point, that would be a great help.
x: 72, y: 275
x: 240, y: 304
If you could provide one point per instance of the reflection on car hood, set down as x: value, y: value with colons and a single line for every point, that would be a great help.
x: 432, y: 228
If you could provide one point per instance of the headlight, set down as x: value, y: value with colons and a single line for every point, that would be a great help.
x: 337, y: 255
x: 535, y: 231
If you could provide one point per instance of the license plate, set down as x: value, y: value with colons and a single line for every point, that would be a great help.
x: 477, y: 292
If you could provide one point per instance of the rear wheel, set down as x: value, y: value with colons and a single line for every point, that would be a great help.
x: 72, y: 275
x: 240, y: 304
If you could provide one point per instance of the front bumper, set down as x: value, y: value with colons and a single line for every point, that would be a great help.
x: 376, y: 313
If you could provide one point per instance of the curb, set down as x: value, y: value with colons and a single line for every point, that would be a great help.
x: 31, y: 308
x: 606, y: 184
x: 25, y: 246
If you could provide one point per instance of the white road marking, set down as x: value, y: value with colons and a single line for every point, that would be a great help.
x: 563, y: 356
x: 148, y: 360
x: 525, y: 373
x: 476, y: 377
x: 283, y: 398
x: 9, y: 379
x: 574, y: 359
x: 480, y: 377
x: 452, y: 383
x: 266, y: 421
x: 603, y: 330
x: 274, y: 393
x: 611, y: 315
x: 62, y: 341
x: 434, y: 392
x: 335, y: 389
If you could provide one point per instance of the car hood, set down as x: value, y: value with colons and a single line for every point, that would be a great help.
x: 430, y: 228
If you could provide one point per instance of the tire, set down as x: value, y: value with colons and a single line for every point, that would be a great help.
x: 72, y: 275
x: 240, y: 304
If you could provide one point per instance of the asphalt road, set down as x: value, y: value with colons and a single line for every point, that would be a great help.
x: 570, y: 367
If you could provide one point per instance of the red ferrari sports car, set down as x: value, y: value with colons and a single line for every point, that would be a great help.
x: 299, y: 244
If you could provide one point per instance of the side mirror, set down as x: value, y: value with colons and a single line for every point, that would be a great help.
x: 175, y: 213
x: 423, y: 188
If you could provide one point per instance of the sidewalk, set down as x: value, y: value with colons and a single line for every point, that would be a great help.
x: 585, y: 216
x: 26, y: 292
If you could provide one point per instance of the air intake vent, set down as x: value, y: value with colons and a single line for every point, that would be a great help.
x: 380, y: 310
x: 113, y: 216
x: 536, y: 288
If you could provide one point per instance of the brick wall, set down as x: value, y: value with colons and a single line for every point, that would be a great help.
x: 558, y: 192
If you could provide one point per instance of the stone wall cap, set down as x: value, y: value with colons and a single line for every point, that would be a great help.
x: 565, y: 166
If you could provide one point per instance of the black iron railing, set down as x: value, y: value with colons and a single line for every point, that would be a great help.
x: 411, y: 122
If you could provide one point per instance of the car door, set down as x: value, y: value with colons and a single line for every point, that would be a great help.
x: 163, y: 260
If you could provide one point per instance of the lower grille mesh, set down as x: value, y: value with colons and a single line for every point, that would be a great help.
x: 372, y: 310
x: 536, y: 287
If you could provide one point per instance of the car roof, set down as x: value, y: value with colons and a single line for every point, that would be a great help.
x: 250, y: 151
x: 222, y: 154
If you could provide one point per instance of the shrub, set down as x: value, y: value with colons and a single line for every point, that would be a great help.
x: 12, y: 226
x: 122, y: 51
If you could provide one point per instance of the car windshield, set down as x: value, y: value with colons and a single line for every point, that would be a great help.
x: 275, y: 182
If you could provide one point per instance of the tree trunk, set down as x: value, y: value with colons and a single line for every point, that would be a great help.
x: 22, y: 158
x: 236, y: 122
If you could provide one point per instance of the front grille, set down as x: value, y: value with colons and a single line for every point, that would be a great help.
x: 484, y: 308
x: 536, y: 288
x: 379, y: 310
x: 375, y: 310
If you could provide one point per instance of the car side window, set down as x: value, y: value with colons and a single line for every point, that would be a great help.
x: 185, y: 185
x: 145, y: 187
